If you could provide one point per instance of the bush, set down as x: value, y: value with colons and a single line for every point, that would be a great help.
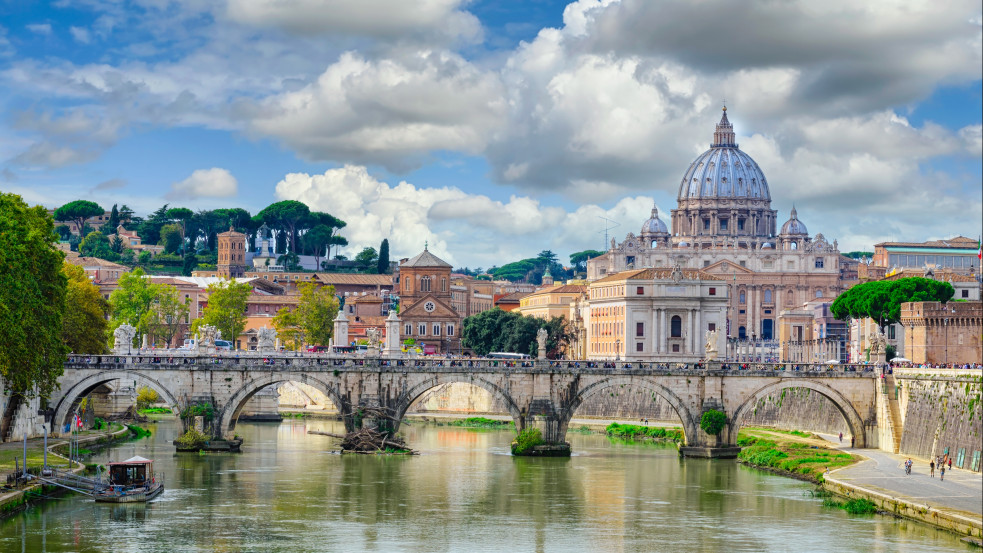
x: 138, y: 431
x: 205, y: 410
x: 634, y: 431
x: 192, y: 439
x: 146, y: 397
x: 860, y: 507
x: 713, y: 421
x: 526, y: 440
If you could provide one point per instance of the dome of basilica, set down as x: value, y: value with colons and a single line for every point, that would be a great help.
x: 654, y: 225
x: 794, y: 225
x: 724, y: 172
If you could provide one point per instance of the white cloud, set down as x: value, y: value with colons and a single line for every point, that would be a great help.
x: 205, y: 183
x: 392, y: 111
x: 80, y: 34
x: 384, y: 19
x: 40, y: 28
x: 462, y: 228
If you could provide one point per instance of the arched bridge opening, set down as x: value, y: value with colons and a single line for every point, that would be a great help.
x: 807, y: 404
x: 66, y: 403
x: 227, y: 415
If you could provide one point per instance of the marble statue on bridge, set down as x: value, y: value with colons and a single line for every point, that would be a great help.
x: 541, y: 337
x: 123, y: 335
x: 711, y: 346
x: 265, y: 339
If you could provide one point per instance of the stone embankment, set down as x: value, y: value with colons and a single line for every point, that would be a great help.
x: 942, y: 411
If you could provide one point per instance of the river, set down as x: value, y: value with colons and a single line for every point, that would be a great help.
x: 291, y: 491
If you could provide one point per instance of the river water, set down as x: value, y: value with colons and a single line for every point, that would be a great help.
x: 291, y: 491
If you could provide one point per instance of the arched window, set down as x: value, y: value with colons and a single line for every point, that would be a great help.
x: 743, y: 297
x: 819, y: 293
x: 742, y: 333
x: 407, y: 281
x: 676, y: 327
x: 767, y: 296
x: 425, y: 284
x: 443, y: 284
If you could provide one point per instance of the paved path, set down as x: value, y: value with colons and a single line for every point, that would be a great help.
x: 962, y: 490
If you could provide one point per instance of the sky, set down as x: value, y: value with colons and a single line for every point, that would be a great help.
x: 492, y: 130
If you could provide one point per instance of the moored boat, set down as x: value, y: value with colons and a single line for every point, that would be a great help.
x: 131, y: 481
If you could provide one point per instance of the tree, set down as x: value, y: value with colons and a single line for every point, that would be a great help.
x: 168, y: 312
x: 316, y: 311
x: 290, y: 261
x: 32, y: 299
x: 190, y: 263
x: 77, y: 212
x: 84, y: 322
x: 881, y: 300
x: 287, y: 326
x: 113, y: 221
x: 149, y: 229
x: 182, y: 215
x: 226, y: 309
x: 339, y: 241
x: 579, y: 259
x: 713, y: 421
x: 116, y: 244
x: 95, y: 244
x: 125, y: 215
x: 367, y: 259
x: 317, y: 241
x: 63, y: 232
x: 171, y: 237
x: 515, y: 271
x: 132, y: 301
x: 383, y: 265
x: 286, y: 215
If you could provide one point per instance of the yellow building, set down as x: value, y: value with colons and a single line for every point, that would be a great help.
x: 550, y: 302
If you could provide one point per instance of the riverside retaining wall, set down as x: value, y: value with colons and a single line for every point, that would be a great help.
x: 939, y: 412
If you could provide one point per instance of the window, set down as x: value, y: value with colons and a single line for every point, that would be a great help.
x: 639, y: 329
x: 713, y: 291
x: 425, y: 284
x: 767, y: 296
x: 436, y: 329
x: 723, y: 224
x: 740, y: 224
x: 743, y: 263
x: 676, y: 327
x: 965, y: 293
x: 891, y: 333
x: 706, y: 224
x: 743, y: 298
x: 407, y: 284
x: 422, y: 328
x: 742, y: 333
x: 819, y: 293
x: 450, y: 330
x: 819, y: 263
x: 640, y: 290
x: 408, y: 329
x: 706, y: 262
x: 443, y: 284
x: 639, y: 346
x: 675, y: 348
x: 630, y: 260
x: 711, y: 326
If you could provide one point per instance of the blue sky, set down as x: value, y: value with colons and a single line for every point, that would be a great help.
x: 494, y: 130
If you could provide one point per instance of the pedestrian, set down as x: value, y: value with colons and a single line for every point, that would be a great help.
x: 942, y: 472
x: 852, y: 440
x: 950, y: 464
x: 931, y: 468
x: 841, y: 437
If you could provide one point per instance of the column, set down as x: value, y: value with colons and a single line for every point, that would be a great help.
x: 664, y: 334
x: 698, y: 335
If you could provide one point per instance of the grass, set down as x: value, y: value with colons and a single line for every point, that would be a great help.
x: 860, y: 506
x: 637, y: 432
x: 138, y: 431
x: 481, y: 422
x: 155, y: 411
x: 790, y: 457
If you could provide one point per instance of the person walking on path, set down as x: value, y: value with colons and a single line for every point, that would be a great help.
x: 852, y: 438
x: 950, y: 464
x: 931, y: 468
x: 841, y: 437
x: 942, y: 472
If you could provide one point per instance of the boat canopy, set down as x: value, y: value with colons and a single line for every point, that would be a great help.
x: 133, y: 461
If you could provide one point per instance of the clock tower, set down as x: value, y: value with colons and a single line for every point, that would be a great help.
x: 425, y: 304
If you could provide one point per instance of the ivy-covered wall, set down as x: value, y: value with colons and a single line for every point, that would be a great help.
x: 942, y: 413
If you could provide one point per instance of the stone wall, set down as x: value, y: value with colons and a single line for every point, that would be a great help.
x: 26, y: 420
x: 799, y: 409
x: 941, y: 412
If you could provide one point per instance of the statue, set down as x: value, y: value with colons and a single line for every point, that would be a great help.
x: 711, y: 345
x: 878, y: 346
x: 208, y: 335
x: 265, y: 339
x: 372, y: 334
x: 541, y: 336
x: 123, y: 335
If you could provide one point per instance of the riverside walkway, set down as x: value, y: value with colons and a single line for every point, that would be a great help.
x: 960, y: 495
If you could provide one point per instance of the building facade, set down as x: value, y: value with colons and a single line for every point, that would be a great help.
x: 724, y: 226
x: 426, y: 313
x: 958, y: 254
x: 943, y: 333
x: 551, y: 301
x: 231, y: 254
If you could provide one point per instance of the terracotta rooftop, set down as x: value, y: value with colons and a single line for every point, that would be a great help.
x: 561, y: 289
x: 514, y: 297
x: 957, y: 242
x: 355, y: 279
x: 83, y: 261
x: 426, y: 259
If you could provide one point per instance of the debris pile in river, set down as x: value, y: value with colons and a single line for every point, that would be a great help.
x: 369, y: 441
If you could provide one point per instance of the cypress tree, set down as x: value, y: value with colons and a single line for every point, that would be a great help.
x: 383, y: 266
x: 112, y: 223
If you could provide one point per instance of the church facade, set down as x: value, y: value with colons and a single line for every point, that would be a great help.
x: 426, y: 306
x: 724, y: 226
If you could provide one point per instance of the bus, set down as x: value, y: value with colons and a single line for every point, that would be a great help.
x: 506, y: 355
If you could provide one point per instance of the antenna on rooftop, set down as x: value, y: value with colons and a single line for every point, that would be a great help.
x: 609, y: 224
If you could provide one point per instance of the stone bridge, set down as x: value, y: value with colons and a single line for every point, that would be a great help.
x: 543, y: 394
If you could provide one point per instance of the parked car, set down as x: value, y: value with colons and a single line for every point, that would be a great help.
x: 223, y: 344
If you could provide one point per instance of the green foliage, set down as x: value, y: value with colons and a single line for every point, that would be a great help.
x: 99, y: 424
x: 192, y: 439
x: 155, y: 411
x: 497, y: 330
x: 858, y: 254
x: 132, y: 301
x: 526, y: 440
x: 144, y: 257
x: 171, y: 237
x: 84, y: 322
x: 881, y: 300
x: 32, y: 299
x: 147, y: 397
x: 138, y: 431
x: 95, y: 244
x: 149, y: 229
x: 317, y: 240
x: 859, y: 506
x: 113, y: 222
x: 636, y: 432
x: 286, y: 215
x: 579, y: 259
x: 77, y: 212
x: 226, y: 309
x: 63, y: 232
x: 515, y: 271
x: 189, y: 264
x: 168, y: 313
x: 382, y: 267
x: 205, y: 410
x: 368, y: 260
x: 713, y: 421
x: 480, y: 422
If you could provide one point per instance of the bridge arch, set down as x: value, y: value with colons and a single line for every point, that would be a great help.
x: 645, y: 383
x: 228, y: 415
x: 842, y: 404
x: 413, y: 393
x: 64, y: 402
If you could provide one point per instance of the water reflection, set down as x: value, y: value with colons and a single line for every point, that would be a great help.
x: 291, y: 491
